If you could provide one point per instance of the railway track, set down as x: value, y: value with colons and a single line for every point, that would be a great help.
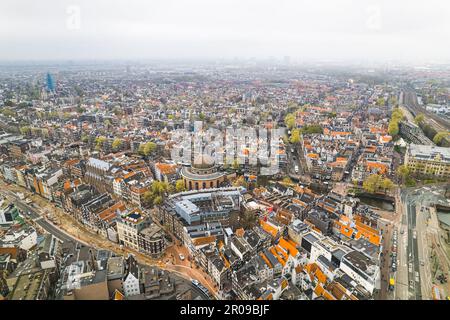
x: 410, y: 102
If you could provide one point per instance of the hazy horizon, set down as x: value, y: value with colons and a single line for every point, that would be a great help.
x: 305, y: 30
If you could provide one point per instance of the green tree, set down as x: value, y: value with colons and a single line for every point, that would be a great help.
x: 156, y: 194
x: 403, y: 172
x: 39, y: 115
x: 146, y: 149
x: 158, y: 200
x: 8, y: 112
x: 149, y: 148
x: 235, y: 164
x: 25, y: 130
x: 99, y: 141
x: 387, y: 184
x: 84, y: 138
x: 396, y: 117
x: 372, y: 183
x: 147, y: 198
x: 397, y: 114
x: 117, y: 111
x: 381, y: 102
x: 81, y: 109
x: 440, y: 136
x: 332, y: 115
x: 159, y: 188
x: 410, y: 182
x: 290, y: 121
x: 141, y: 149
x: 44, y: 133
x: 393, y: 128
x: 116, y: 144
x: 66, y: 116
x: 295, y: 136
x: 419, y: 118
x: 311, y: 129
x: 393, y: 100
x: 179, y: 186
x: 9, y: 103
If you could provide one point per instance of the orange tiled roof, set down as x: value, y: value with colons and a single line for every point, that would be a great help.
x: 269, y: 228
x: 203, y: 240
x: 166, y: 168
x: 70, y: 163
x: 286, y: 245
x: 118, y: 295
x: 382, y: 168
x: 376, y: 130
x: 240, y: 232
x: 129, y: 175
x: 263, y: 256
x: 340, y: 133
x: 111, y: 212
x: 68, y: 184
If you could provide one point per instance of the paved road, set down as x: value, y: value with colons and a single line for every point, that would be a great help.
x: 40, y: 220
x: 413, y: 253
x: 293, y: 159
x: 408, y: 285
x: 386, y: 228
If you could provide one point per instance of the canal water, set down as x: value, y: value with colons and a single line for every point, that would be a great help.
x: 377, y: 203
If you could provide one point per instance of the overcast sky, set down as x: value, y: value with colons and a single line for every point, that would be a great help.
x: 148, y: 29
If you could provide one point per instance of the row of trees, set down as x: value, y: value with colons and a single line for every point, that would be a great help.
x: 159, y: 190
x: 290, y: 121
x: 313, y: 128
x: 419, y: 118
x: 396, y: 117
x: 26, y: 130
x: 404, y: 176
x: 295, y: 136
x: 376, y: 183
x: 437, y: 139
x: 8, y: 112
x: 155, y: 196
x: 145, y: 149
